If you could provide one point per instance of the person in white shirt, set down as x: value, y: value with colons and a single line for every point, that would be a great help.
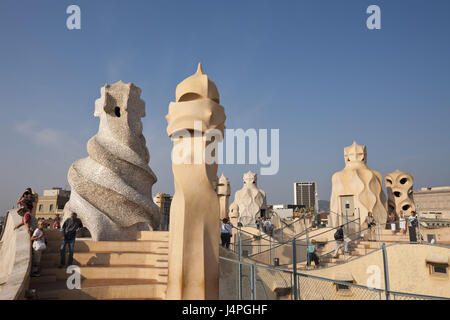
x: 268, y: 226
x: 38, y: 246
x: 226, y: 231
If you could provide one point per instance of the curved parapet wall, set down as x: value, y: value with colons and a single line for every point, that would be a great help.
x: 15, y: 258
x: 112, y: 188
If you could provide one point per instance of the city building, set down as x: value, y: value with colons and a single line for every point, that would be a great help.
x: 52, y: 202
x: 286, y: 211
x: 163, y: 201
x: 433, y: 202
x: 305, y: 194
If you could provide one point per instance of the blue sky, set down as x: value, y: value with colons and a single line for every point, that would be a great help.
x: 310, y: 68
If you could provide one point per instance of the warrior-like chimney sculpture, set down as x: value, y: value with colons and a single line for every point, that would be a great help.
x: 112, y: 188
x: 223, y: 192
x: 194, y: 224
x: 357, y: 187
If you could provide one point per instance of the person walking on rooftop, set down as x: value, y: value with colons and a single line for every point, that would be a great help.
x: 38, y: 247
x: 413, y: 224
x: 340, y: 241
x: 312, y: 254
x: 226, y: 231
x: 69, y: 233
x: 402, y: 222
x: 370, y: 220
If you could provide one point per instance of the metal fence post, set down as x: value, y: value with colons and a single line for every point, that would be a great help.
x: 240, y: 267
x: 253, y: 281
x: 419, y: 229
x: 379, y: 232
x: 308, y: 262
x: 346, y: 218
x: 270, y: 249
x: 386, y: 272
x: 294, y: 268
x: 359, y: 222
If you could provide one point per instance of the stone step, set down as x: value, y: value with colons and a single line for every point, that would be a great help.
x: 362, y: 251
x: 44, y: 278
x: 153, y: 235
x: 113, y: 259
x: 369, y: 245
x: 52, y: 234
x: 112, y: 272
x: 389, y: 232
x: 149, y: 246
x: 111, y: 291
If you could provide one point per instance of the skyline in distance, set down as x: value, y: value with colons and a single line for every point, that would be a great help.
x: 313, y: 71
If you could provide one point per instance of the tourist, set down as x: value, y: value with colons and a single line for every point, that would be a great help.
x: 26, y: 201
x: 38, y: 246
x: 57, y: 222
x: 402, y: 222
x: 259, y: 223
x: 69, y: 233
x: 267, y: 227
x: 226, y: 232
x: 370, y: 220
x: 26, y: 219
x: 312, y: 254
x: 340, y: 241
x: 413, y: 224
x: 392, y: 222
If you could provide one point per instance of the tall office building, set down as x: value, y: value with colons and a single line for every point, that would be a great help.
x: 305, y: 194
x: 163, y: 201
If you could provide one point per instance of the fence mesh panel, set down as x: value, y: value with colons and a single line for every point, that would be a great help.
x: 321, y: 289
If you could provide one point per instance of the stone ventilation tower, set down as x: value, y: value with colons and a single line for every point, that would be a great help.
x: 112, y: 188
x: 399, y: 186
x: 194, y: 223
x: 357, y: 186
x: 250, y: 200
x: 223, y: 191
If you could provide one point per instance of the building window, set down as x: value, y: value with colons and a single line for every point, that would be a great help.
x: 340, y: 287
x: 439, y: 269
x: 51, y: 208
x: 41, y: 207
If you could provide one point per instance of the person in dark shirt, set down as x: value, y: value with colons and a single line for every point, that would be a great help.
x: 26, y: 201
x: 69, y: 233
x: 340, y: 241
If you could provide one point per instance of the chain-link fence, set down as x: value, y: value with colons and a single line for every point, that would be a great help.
x: 317, y: 288
x: 247, y: 279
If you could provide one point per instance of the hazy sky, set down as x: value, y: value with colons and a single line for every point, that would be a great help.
x: 309, y: 68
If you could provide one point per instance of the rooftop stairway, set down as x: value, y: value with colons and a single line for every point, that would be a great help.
x: 356, y: 249
x: 109, y: 269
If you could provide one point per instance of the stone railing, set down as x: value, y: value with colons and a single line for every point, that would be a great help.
x: 15, y: 258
